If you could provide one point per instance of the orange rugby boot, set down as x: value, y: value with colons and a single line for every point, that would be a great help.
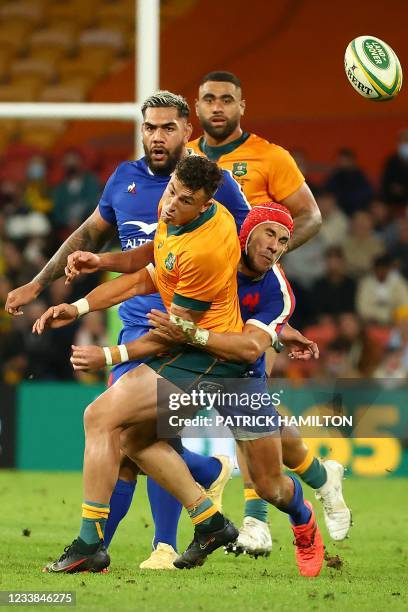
x: 309, y: 546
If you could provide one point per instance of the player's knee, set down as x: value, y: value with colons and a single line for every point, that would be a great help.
x: 95, y: 419
x: 270, y: 489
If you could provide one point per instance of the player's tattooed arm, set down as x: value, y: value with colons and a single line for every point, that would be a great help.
x: 306, y: 215
x: 82, y: 262
x: 104, y: 296
x: 92, y: 234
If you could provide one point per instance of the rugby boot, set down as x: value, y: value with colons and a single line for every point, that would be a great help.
x: 162, y: 558
x: 309, y: 550
x: 254, y: 539
x: 204, y: 544
x: 337, y: 515
x: 73, y: 560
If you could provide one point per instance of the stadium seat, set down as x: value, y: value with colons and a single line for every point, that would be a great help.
x: 62, y: 93
x: 34, y: 67
x: 62, y: 37
x: 75, y: 11
x: 102, y: 38
x: 15, y: 36
x: 19, y: 92
x: 40, y: 132
x: 29, y: 12
x: 90, y: 67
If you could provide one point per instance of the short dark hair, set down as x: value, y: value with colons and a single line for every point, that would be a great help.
x: 221, y: 76
x: 167, y: 99
x: 197, y: 172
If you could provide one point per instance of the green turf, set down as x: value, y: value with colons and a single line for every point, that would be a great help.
x: 373, y: 576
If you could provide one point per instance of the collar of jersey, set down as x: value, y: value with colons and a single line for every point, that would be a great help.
x: 214, y: 153
x: 178, y: 230
x: 252, y: 279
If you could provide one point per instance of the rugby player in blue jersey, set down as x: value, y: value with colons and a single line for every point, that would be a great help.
x: 129, y: 204
x: 267, y: 303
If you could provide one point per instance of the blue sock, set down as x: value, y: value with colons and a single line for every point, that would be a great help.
x: 166, y: 511
x: 119, y: 505
x: 299, y: 513
x: 203, y: 469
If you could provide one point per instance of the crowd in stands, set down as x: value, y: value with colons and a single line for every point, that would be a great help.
x: 350, y: 281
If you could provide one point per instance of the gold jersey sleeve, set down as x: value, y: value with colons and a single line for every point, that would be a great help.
x: 264, y: 170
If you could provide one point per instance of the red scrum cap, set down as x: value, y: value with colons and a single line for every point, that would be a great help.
x: 267, y: 212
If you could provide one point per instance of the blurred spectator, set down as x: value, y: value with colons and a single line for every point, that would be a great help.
x: 334, y: 293
x: 16, y: 269
x: 381, y: 292
x: 384, y: 226
x: 362, y: 246
x: 335, y: 362
x: 306, y: 264
x: 349, y: 184
x: 399, y: 333
x: 21, y: 221
x: 37, y: 194
x: 392, y: 372
x: 399, y: 250
x: 394, y: 183
x: 363, y: 353
x: 76, y: 196
x: 335, y: 222
x: 302, y: 160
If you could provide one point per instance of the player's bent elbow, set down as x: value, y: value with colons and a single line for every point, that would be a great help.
x: 251, y: 352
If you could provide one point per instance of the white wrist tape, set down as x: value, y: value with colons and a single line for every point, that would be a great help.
x: 108, y: 355
x: 124, y: 355
x: 82, y: 306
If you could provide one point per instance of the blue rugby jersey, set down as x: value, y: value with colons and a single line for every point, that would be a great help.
x: 267, y: 303
x: 130, y: 201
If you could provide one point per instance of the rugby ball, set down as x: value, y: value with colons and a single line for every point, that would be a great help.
x: 373, y: 68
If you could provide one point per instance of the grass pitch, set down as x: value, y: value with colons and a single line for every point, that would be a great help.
x: 46, y: 507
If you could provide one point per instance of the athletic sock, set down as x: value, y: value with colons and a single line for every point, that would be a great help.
x: 119, y: 505
x: 94, y: 517
x: 204, y: 470
x: 255, y: 506
x: 312, y: 471
x: 205, y: 516
x: 299, y: 513
x: 166, y: 510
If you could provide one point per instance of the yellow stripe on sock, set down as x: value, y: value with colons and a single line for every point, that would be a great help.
x: 204, y: 515
x: 250, y: 494
x: 99, y: 530
x: 306, y: 463
x: 92, y: 512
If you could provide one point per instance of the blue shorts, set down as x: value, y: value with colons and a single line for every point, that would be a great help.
x: 127, y: 334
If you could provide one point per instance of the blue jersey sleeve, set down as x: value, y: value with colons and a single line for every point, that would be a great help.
x: 105, y: 203
x: 276, y: 305
x: 230, y: 195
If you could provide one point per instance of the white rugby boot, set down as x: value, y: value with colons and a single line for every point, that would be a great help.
x: 254, y: 539
x: 161, y: 558
x: 337, y: 515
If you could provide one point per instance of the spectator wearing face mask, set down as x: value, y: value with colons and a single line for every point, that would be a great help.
x: 21, y: 222
x: 76, y: 196
x: 36, y: 194
x: 395, y: 174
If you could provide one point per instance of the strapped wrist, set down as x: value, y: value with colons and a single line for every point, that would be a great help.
x: 82, y: 306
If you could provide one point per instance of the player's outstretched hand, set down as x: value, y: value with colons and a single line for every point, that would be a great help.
x: 87, y: 358
x: 299, y: 347
x: 21, y: 296
x: 81, y: 262
x: 56, y: 316
x: 164, y: 328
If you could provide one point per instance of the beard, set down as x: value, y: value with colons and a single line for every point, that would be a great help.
x: 219, y: 133
x: 168, y: 166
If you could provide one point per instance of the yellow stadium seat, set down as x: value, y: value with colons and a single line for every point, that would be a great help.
x: 15, y: 35
x: 33, y: 67
x: 78, y: 11
x: 63, y: 93
x: 41, y: 133
x: 61, y: 37
x: 19, y: 93
x: 26, y: 11
x: 53, y: 55
x: 100, y: 38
